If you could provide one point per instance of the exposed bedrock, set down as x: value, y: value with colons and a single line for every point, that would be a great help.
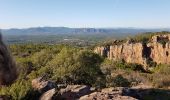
x: 157, y: 50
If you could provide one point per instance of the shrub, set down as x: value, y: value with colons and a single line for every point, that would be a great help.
x: 161, y: 81
x: 135, y: 78
x: 120, y: 81
x: 88, y: 67
x: 24, y: 66
x: 160, y: 77
x: 78, y: 66
x: 162, y: 69
x: 108, y: 65
x: 41, y: 58
x: 135, y: 67
x: 18, y: 90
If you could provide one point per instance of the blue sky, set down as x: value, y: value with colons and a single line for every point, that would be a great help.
x: 85, y: 13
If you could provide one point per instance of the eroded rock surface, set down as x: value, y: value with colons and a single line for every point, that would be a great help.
x: 84, y: 92
x: 157, y: 50
x: 49, y: 95
x: 107, y: 94
x: 72, y: 92
x: 42, y: 85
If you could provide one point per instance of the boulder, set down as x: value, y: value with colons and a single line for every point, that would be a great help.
x: 72, y: 92
x: 42, y: 85
x: 49, y: 95
x: 107, y: 94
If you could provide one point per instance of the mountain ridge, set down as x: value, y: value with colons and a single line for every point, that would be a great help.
x: 67, y: 30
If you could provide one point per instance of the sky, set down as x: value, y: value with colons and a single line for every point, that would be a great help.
x: 85, y: 13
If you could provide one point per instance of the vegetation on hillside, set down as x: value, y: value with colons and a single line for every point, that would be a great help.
x: 142, y: 37
x: 77, y: 65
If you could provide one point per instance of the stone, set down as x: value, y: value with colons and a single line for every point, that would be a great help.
x: 42, y: 85
x: 107, y: 94
x: 71, y: 92
x: 49, y: 95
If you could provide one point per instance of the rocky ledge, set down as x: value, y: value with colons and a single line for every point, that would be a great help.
x: 156, y: 50
x: 52, y: 91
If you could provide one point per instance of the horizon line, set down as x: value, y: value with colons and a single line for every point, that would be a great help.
x: 86, y: 27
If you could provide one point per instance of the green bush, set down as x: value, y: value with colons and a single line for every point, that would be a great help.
x: 146, y: 37
x: 160, y: 77
x: 81, y: 66
x: 40, y: 59
x: 135, y: 67
x: 17, y: 91
x: 108, y: 65
x: 120, y: 81
x: 162, y: 69
x: 24, y: 66
x: 141, y: 37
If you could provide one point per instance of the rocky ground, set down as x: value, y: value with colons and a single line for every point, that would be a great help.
x: 50, y: 91
x: 107, y: 94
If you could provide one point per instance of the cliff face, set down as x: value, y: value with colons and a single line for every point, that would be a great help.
x: 157, y: 50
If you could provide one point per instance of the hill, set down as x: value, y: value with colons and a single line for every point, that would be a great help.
x: 66, y: 30
x: 65, y: 35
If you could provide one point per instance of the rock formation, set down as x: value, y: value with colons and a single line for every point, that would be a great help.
x: 160, y: 52
x: 84, y: 92
x: 157, y: 50
x: 79, y: 92
x: 42, y: 85
x: 108, y: 94
x: 49, y: 95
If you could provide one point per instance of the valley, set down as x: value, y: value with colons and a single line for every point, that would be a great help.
x: 119, y: 66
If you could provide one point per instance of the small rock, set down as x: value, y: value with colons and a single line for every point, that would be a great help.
x: 48, y: 95
x: 41, y: 85
x: 72, y: 92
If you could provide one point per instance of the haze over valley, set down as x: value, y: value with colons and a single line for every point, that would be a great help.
x: 54, y: 35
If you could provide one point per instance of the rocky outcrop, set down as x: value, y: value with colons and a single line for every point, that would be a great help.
x: 49, y: 95
x: 84, y: 92
x: 72, y: 92
x: 157, y: 50
x: 107, y: 94
x: 42, y: 85
x: 50, y: 91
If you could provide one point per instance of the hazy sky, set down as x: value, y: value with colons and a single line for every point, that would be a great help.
x: 85, y: 13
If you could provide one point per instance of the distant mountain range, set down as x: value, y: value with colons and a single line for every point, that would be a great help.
x: 66, y: 30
